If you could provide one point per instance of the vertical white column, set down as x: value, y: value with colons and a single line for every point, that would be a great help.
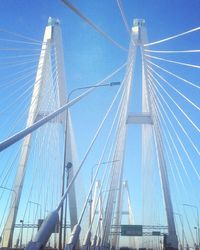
x: 19, y: 179
x: 139, y: 38
x: 147, y: 101
x: 95, y: 200
x: 132, y: 240
x: 117, y: 168
x: 69, y: 154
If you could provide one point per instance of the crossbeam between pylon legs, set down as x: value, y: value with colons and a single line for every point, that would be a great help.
x: 142, y: 118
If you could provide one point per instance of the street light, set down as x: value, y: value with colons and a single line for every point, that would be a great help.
x: 91, y: 200
x: 14, y: 192
x: 6, y: 188
x: 21, y: 221
x: 196, y: 235
x: 65, y: 147
x: 67, y: 168
x: 11, y: 190
x: 181, y: 220
x: 100, y: 219
x: 102, y: 163
x: 92, y: 86
x: 197, y: 210
x: 38, y: 205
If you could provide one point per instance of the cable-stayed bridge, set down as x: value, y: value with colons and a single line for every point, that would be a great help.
x: 42, y: 179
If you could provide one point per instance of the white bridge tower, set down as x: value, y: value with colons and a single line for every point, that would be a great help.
x: 52, y: 40
x: 147, y: 118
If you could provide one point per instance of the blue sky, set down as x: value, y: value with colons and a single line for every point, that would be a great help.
x: 89, y: 57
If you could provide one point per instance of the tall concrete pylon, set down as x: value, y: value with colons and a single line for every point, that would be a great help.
x: 52, y: 36
x: 149, y: 109
x: 145, y: 118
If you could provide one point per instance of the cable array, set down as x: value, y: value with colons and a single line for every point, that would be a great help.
x: 119, y: 4
x: 169, y: 146
x: 45, y: 153
x: 94, y: 26
x: 174, y: 96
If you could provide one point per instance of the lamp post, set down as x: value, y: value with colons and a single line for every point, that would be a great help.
x: 197, y: 232
x: 67, y: 168
x: 11, y: 190
x: 65, y: 147
x: 100, y: 220
x: 181, y: 221
x: 92, y: 86
x: 21, y: 238
x: 91, y: 200
x: 102, y: 163
x: 38, y: 205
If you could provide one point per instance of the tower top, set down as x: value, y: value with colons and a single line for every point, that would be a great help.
x: 139, y: 31
x: 53, y: 21
x: 138, y: 22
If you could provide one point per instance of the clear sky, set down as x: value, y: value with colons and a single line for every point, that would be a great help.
x: 89, y: 57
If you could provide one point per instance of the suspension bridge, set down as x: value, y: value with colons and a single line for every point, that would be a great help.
x: 52, y: 199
